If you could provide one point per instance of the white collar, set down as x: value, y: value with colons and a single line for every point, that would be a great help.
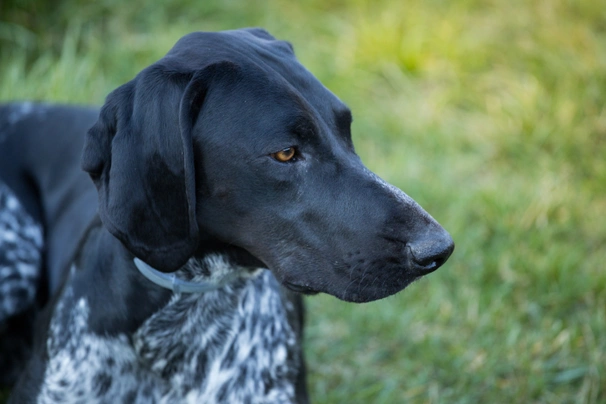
x: 171, y: 282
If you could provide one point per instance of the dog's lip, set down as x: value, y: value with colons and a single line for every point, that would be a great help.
x: 306, y: 290
x: 338, y: 289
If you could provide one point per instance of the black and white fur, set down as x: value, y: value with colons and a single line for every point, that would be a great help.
x: 20, y: 255
x: 20, y: 273
x: 232, y: 345
x: 187, y: 178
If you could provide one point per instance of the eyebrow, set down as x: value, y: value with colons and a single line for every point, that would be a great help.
x: 303, y: 125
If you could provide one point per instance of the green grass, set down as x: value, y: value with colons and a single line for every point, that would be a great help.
x: 491, y: 114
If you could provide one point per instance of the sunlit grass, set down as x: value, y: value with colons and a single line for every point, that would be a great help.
x: 491, y: 114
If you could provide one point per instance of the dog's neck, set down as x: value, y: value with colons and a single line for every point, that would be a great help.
x: 214, y: 265
x: 106, y: 261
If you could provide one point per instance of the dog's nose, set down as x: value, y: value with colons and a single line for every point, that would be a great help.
x: 429, y: 253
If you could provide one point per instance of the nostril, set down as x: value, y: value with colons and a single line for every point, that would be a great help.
x: 424, y: 261
x: 429, y: 254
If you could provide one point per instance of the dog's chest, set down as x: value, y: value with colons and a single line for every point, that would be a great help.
x: 230, y: 345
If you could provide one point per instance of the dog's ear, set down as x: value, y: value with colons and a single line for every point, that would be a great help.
x: 140, y: 156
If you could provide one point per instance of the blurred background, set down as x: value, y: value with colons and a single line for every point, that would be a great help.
x: 491, y: 114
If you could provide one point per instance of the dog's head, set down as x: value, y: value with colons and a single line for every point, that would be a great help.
x: 229, y: 139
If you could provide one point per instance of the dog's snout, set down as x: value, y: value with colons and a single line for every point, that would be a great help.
x: 429, y: 253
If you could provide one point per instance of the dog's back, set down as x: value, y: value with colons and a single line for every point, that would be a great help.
x: 40, y: 148
x: 46, y: 201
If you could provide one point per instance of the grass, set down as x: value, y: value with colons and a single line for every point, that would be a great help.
x: 489, y: 113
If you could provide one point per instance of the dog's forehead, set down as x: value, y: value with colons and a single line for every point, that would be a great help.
x: 253, y: 47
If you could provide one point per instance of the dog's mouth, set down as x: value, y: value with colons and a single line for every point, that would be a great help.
x: 359, y: 271
x: 350, y: 281
x: 359, y: 284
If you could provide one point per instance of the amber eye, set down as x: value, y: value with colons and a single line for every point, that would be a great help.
x: 285, y: 155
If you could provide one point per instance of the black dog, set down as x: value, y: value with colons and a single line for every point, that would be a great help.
x: 225, y: 157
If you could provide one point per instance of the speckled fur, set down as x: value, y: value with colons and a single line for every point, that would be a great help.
x: 232, y: 345
x: 20, y: 258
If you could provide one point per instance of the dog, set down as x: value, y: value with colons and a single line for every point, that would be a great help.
x: 226, y: 185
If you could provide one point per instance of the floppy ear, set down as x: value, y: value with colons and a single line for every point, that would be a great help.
x: 140, y: 156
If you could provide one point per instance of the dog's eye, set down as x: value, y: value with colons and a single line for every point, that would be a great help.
x: 285, y: 155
